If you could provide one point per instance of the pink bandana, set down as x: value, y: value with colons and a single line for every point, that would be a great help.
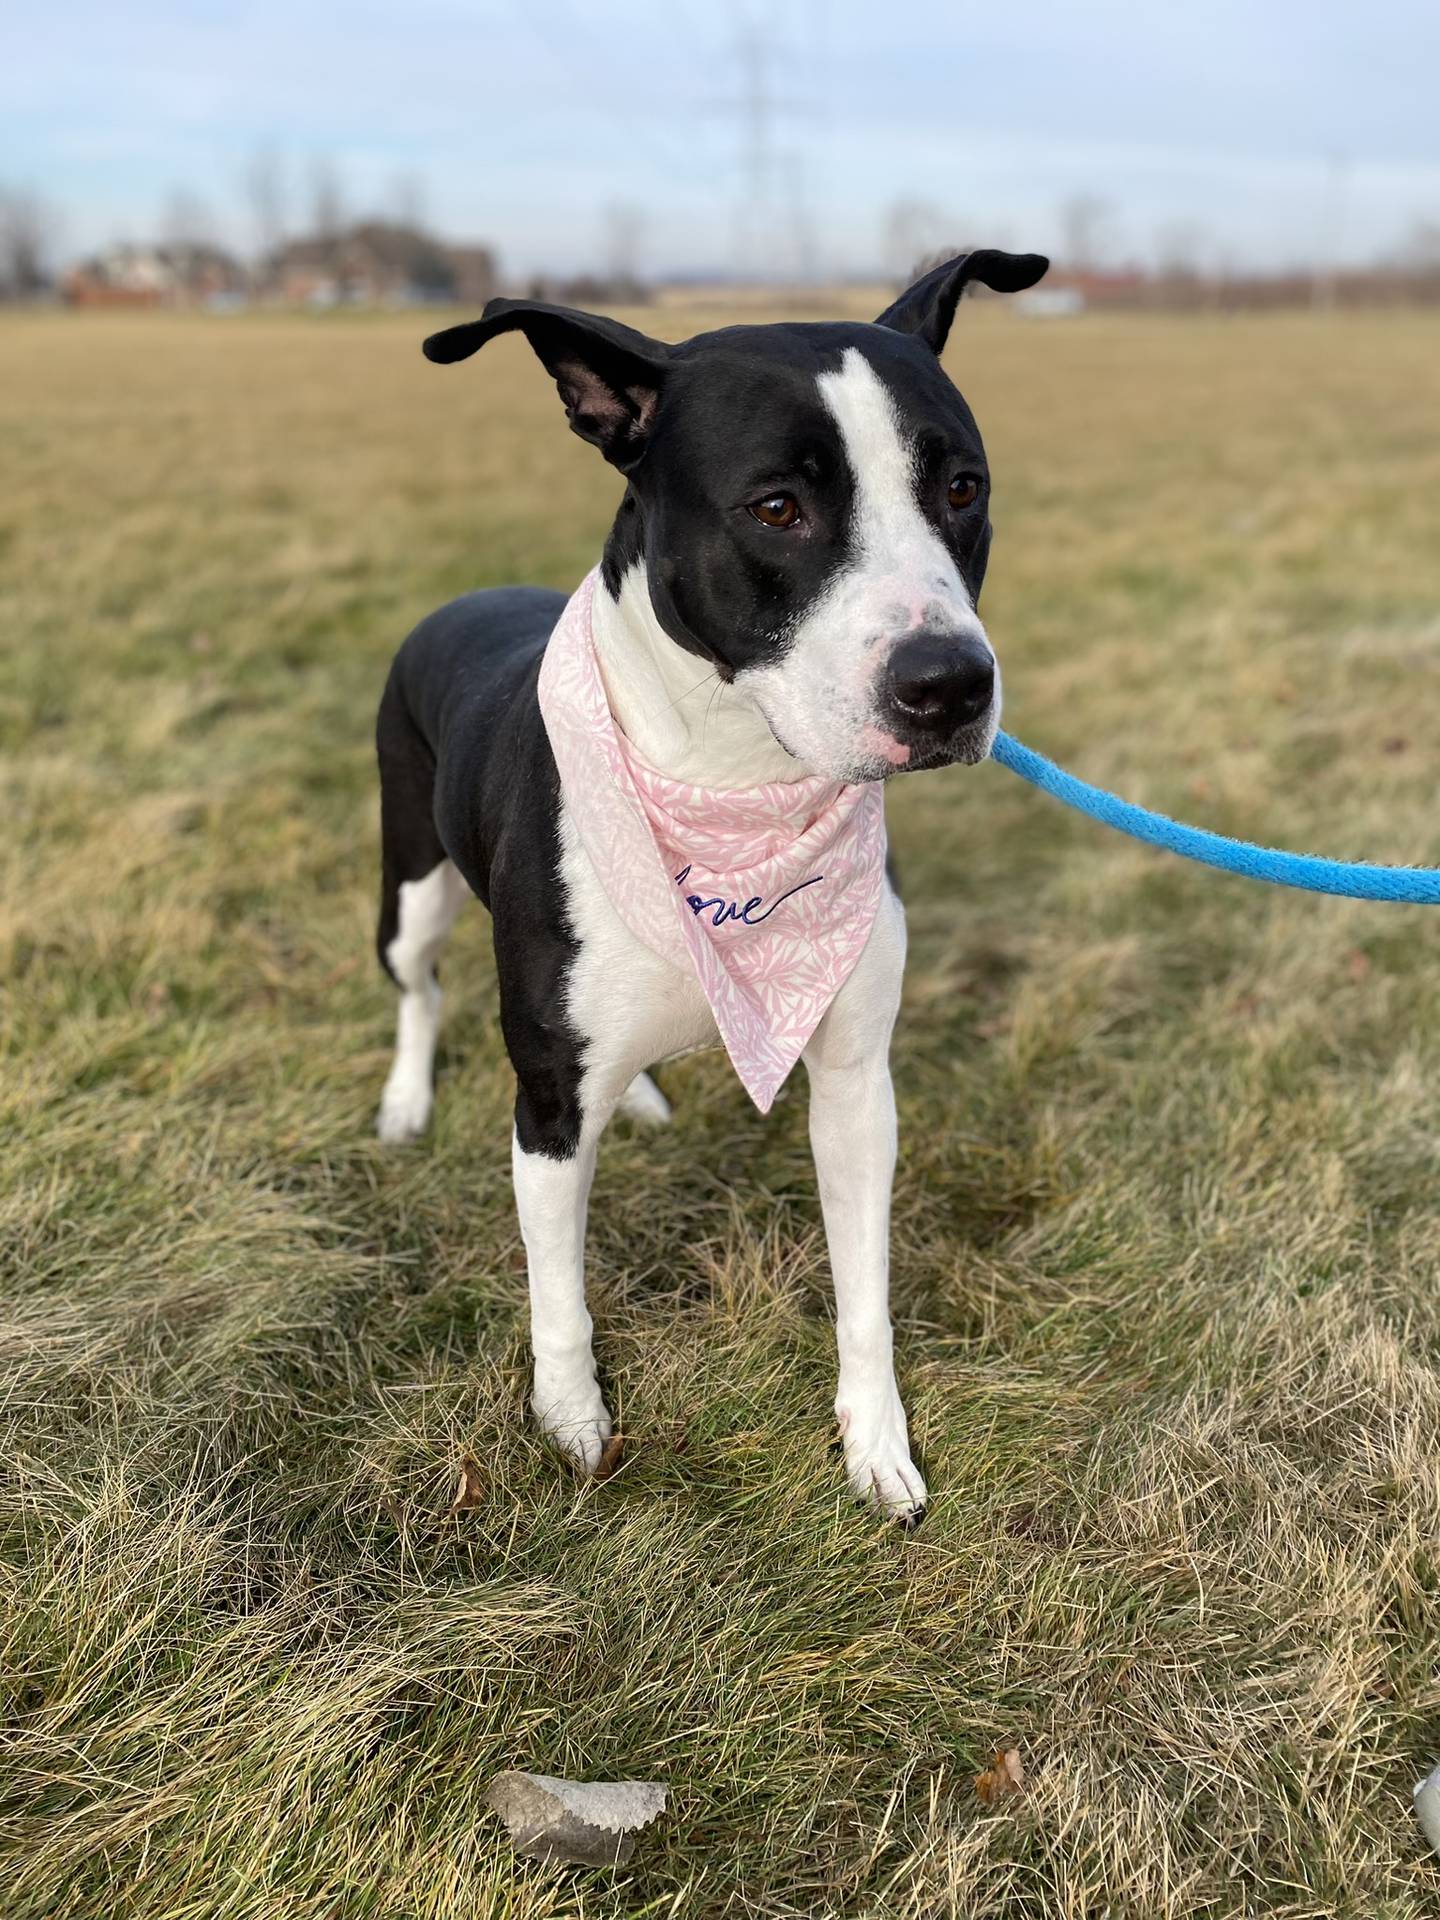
x: 768, y: 892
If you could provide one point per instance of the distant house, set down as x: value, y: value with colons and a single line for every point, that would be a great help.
x: 1050, y: 303
x: 590, y: 290
x: 1067, y: 290
x: 476, y: 279
x: 184, y: 274
x: 379, y: 263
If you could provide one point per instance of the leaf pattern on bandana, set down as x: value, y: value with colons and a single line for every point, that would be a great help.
x: 783, y: 948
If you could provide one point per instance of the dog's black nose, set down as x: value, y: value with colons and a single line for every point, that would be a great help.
x: 940, y: 682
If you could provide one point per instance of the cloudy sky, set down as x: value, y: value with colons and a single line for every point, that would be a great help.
x: 1253, y: 130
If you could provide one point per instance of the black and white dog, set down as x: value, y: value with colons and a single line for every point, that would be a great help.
x: 805, y: 516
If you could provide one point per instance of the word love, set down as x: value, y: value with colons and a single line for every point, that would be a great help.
x: 750, y: 913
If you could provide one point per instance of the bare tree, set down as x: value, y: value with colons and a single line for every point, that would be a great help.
x: 187, y: 222
x: 624, y: 240
x: 1180, y: 249
x: 802, y: 249
x: 407, y: 201
x: 1083, y: 221
x: 265, y: 190
x: 27, y: 240
x: 1422, y: 248
x: 1330, y: 239
x: 913, y: 231
x: 327, y: 203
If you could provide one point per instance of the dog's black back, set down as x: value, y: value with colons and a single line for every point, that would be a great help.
x: 466, y: 773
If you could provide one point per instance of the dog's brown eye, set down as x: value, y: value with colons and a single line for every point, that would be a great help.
x: 776, y: 510
x: 964, y: 491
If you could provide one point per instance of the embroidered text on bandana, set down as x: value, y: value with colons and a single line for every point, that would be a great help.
x: 768, y: 893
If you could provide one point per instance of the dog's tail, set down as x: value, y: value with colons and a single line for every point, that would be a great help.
x: 643, y: 1102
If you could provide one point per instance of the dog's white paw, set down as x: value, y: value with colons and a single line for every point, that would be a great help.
x: 404, y: 1111
x: 877, y: 1457
x: 642, y: 1101
x: 573, y: 1416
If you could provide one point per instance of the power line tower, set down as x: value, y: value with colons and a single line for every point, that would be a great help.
x: 755, y: 114
x: 1330, y: 243
x: 407, y: 200
x: 624, y: 224
x: 804, y: 252
x: 768, y: 181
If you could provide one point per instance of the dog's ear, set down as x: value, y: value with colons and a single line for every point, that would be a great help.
x: 928, y: 307
x: 609, y: 376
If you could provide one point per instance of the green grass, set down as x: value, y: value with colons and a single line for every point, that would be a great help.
x: 1166, y: 1237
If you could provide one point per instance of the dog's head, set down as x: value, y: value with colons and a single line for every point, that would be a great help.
x: 810, y: 503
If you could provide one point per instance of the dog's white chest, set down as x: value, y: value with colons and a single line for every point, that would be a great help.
x: 631, y: 1007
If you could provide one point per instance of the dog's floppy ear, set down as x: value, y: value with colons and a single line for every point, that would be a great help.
x: 928, y: 307
x: 610, y: 377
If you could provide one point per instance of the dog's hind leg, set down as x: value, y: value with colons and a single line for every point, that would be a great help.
x: 426, y: 911
x: 421, y: 892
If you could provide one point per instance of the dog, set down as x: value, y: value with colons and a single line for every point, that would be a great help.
x: 788, y: 594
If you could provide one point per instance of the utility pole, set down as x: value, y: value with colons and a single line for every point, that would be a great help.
x: 265, y: 186
x: 624, y: 242
x: 407, y: 198
x: 803, y: 254
x: 1083, y: 218
x: 1332, y: 236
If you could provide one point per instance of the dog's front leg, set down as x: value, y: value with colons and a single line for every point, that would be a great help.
x: 552, y: 1196
x: 852, y: 1135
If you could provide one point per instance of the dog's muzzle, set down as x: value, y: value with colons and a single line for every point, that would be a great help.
x: 937, y: 689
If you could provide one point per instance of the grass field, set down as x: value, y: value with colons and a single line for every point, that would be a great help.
x: 1167, y: 1241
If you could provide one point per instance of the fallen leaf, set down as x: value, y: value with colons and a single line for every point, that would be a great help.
x: 1004, y: 1776
x: 611, y: 1458
x: 471, y: 1490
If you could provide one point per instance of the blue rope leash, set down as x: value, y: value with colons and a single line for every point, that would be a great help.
x: 1354, y: 878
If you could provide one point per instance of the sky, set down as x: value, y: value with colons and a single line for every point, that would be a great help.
x: 1252, y: 133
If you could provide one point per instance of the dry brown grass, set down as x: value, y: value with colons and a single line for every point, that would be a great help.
x: 1166, y: 1241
